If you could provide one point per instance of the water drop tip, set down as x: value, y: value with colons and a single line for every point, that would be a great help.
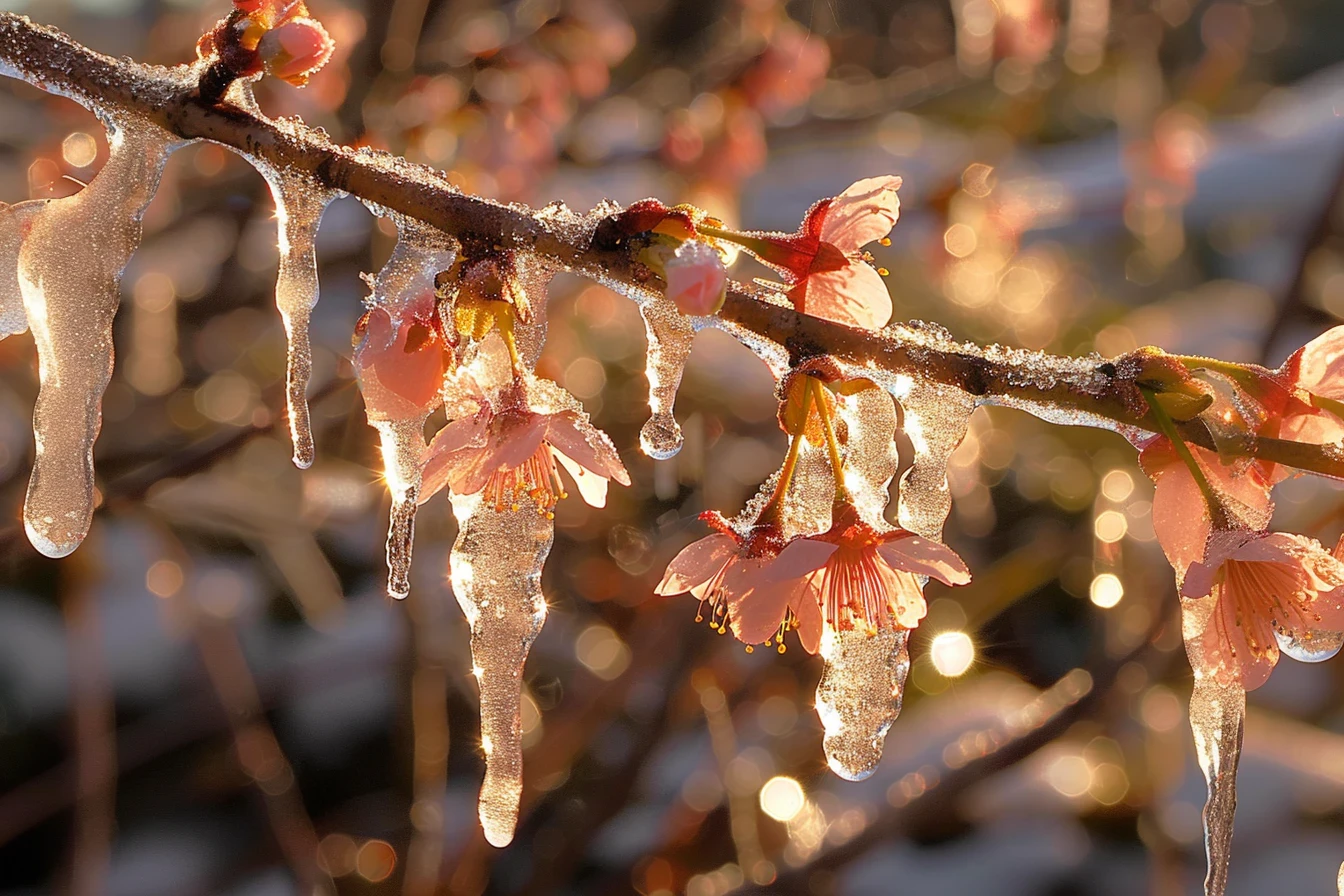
x: 49, y: 548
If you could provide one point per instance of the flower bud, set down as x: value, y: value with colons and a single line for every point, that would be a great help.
x: 697, y: 279
x: 295, y: 50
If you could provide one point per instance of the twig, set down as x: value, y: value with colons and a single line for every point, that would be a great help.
x: 1082, y: 390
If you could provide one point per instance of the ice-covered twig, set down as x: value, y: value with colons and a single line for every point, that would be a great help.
x: 1088, y: 391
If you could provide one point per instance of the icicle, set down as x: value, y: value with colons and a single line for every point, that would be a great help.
x: 404, y: 288
x: 859, y: 696
x: 671, y: 336
x: 1217, y: 716
x: 863, y: 675
x: 1339, y: 881
x: 496, y: 574
x: 299, y: 205
x: 69, y: 271
x: 13, y: 218
x: 935, y: 418
x: 403, y: 446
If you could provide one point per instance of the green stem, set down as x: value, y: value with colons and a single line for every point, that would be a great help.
x: 1216, y: 511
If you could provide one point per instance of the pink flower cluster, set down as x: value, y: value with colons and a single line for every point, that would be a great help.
x: 1211, y: 517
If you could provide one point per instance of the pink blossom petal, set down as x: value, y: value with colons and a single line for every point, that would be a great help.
x: 925, y: 558
x: 592, y: 486
x: 805, y: 601
x: 586, y: 445
x: 697, y: 563
x: 854, y: 295
x: 1180, y: 517
x: 450, y: 448
x: 799, y: 558
x: 865, y: 212
x: 1321, y: 364
x: 756, y: 602
x: 904, y: 596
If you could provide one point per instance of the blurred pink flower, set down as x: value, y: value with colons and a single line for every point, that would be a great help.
x: 697, y: 279
x: 513, y: 451
x: 823, y: 260
x: 295, y: 50
x: 401, y: 364
x: 1263, y: 582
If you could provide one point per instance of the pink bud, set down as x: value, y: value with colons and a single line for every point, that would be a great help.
x: 295, y: 50
x: 697, y: 279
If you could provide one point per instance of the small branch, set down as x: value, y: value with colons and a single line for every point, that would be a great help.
x: 1084, y: 391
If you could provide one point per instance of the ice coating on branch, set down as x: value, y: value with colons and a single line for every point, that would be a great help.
x: 69, y: 272
x: 863, y: 675
x: 13, y: 318
x: 495, y: 567
x: 859, y: 696
x: 299, y: 205
x: 400, y: 348
x: 671, y: 336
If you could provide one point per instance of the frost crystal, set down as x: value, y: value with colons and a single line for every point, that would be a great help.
x: 69, y: 273
x: 299, y: 205
x: 404, y: 286
x: 496, y: 574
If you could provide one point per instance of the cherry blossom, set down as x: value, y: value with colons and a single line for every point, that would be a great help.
x: 1263, y: 583
x: 823, y: 261
x: 1317, y: 369
x: 721, y: 565
x: 510, y: 448
x: 851, y: 577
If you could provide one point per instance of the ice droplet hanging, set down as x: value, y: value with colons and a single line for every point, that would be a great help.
x: 495, y: 567
x: 298, y: 211
x: 69, y: 271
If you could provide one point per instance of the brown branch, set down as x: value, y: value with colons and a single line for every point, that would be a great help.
x: 1086, y: 391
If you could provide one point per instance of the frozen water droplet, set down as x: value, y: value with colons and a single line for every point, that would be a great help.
x: 298, y: 208
x: 859, y: 696
x: 495, y: 567
x: 671, y: 336
x: 1339, y: 882
x: 1310, y: 647
x: 934, y: 417
x: 1217, y: 717
x: 403, y: 443
x: 69, y: 272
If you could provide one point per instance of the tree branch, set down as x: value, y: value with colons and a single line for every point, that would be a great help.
x: 1080, y: 391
